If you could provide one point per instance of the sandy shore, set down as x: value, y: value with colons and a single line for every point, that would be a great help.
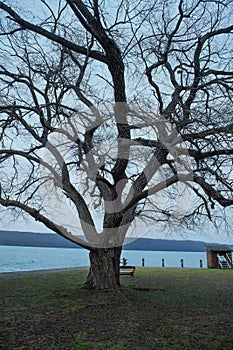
x: 34, y: 272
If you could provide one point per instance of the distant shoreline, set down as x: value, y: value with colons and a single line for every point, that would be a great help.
x: 35, y: 272
x: 42, y: 240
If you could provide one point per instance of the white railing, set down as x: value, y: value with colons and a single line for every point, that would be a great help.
x: 229, y: 260
x: 222, y: 260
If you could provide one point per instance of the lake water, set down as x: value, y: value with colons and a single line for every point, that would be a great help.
x: 14, y: 259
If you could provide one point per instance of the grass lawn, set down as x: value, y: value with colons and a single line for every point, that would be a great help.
x: 156, y: 309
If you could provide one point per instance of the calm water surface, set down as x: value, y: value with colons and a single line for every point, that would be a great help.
x: 14, y: 259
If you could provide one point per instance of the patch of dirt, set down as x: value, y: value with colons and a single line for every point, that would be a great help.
x: 141, y: 289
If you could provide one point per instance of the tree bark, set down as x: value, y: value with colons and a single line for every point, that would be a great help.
x: 104, y: 268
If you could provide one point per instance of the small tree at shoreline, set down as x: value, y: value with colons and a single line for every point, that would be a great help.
x: 115, y: 118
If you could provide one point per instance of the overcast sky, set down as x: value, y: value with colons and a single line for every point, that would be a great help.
x: 206, y: 233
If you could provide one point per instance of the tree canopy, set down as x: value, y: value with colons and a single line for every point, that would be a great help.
x: 115, y: 116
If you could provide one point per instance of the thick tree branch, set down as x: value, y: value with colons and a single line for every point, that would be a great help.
x: 48, y: 223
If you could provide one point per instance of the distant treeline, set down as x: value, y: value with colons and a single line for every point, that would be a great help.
x: 32, y: 239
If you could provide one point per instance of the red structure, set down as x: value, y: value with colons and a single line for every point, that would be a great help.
x: 219, y: 256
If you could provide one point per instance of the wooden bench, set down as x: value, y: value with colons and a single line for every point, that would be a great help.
x: 127, y: 270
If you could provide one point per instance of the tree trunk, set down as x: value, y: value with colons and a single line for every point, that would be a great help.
x: 104, y: 268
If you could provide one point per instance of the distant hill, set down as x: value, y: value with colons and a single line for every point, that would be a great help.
x: 32, y: 239
x: 166, y: 245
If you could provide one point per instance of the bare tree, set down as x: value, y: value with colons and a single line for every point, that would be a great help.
x: 115, y: 117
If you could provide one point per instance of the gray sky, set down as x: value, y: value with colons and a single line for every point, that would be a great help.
x: 206, y: 233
